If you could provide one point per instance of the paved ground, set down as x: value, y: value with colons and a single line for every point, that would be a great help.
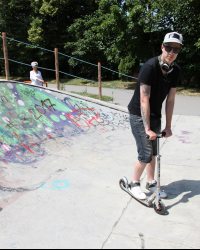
x: 61, y: 161
x: 185, y: 105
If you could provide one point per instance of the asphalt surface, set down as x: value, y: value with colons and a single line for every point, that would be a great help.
x: 184, y: 105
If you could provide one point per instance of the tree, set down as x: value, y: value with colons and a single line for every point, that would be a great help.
x: 120, y: 34
x: 50, y: 22
x: 183, y: 16
x: 187, y: 21
x: 127, y: 66
x: 1, y: 51
x: 86, y: 45
x: 15, y: 19
x: 159, y: 17
x: 101, y: 36
x: 42, y: 23
x: 51, y: 19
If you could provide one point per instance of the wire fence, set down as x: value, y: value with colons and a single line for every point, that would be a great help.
x: 74, y: 58
x: 65, y: 72
x: 69, y: 75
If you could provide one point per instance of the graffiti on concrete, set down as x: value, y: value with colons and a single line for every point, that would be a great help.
x: 90, y: 119
x: 31, y: 116
x: 41, y: 135
x: 57, y: 186
x: 184, y: 137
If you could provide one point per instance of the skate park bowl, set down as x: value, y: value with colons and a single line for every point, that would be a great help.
x: 54, y: 142
x: 61, y: 159
x: 47, y: 131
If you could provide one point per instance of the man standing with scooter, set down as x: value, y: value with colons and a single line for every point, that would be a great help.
x: 158, y: 79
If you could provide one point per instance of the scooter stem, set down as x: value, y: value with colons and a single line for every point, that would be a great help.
x: 158, y: 156
x: 158, y: 174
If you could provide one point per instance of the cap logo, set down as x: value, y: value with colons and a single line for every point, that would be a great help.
x: 174, y: 36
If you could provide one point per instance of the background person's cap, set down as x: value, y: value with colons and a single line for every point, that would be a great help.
x: 173, y: 37
x: 34, y: 64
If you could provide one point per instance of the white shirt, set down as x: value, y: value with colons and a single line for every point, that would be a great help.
x: 34, y: 77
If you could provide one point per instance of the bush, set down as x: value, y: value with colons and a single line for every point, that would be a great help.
x: 128, y: 66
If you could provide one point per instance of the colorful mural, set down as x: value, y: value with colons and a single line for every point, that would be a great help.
x: 30, y: 116
x: 42, y: 135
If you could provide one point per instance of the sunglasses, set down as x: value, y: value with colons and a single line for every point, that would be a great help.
x: 169, y: 49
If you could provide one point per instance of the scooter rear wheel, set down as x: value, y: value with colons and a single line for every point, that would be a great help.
x: 161, y: 210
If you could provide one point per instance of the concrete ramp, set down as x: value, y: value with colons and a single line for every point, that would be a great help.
x: 44, y: 132
x: 61, y: 159
x: 31, y: 118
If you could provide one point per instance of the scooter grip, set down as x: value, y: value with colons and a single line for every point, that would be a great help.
x: 158, y: 136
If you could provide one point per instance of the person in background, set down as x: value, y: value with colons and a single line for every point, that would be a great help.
x: 35, y: 75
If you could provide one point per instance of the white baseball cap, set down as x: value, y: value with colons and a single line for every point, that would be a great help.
x: 34, y: 64
x: 173, y: 37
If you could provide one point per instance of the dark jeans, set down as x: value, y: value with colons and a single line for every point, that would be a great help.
x: 146, y: 149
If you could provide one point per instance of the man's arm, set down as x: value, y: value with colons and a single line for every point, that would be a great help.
x: 145, y: 92
x: 169, y: 108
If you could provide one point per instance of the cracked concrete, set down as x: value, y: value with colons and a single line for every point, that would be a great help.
x: 116, y: 224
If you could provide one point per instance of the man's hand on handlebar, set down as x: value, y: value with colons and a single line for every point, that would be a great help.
x: 151, y: 134
x: 168, y: 132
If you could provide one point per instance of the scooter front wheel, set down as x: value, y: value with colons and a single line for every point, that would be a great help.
x: 161, y: 209
x: 123, y: 183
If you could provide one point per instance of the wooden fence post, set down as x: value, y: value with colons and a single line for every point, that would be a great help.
x: 57, y: 68
x: 99, y: 78
x: 5, y: 51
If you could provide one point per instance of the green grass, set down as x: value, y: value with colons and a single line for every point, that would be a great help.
x: 182, y: 90
x: 188, y: 91
x: 104, y: 97
x: 78, y: 82
x: 115, y: 83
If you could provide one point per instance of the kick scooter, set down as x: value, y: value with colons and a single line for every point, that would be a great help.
x: 154, y: 199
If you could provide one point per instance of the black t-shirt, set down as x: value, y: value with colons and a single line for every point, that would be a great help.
x: 151, y: 74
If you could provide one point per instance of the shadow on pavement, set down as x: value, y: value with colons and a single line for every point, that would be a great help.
x: 174, y: 189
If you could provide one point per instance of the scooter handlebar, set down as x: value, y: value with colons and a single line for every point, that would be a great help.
x: 158, y: 135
